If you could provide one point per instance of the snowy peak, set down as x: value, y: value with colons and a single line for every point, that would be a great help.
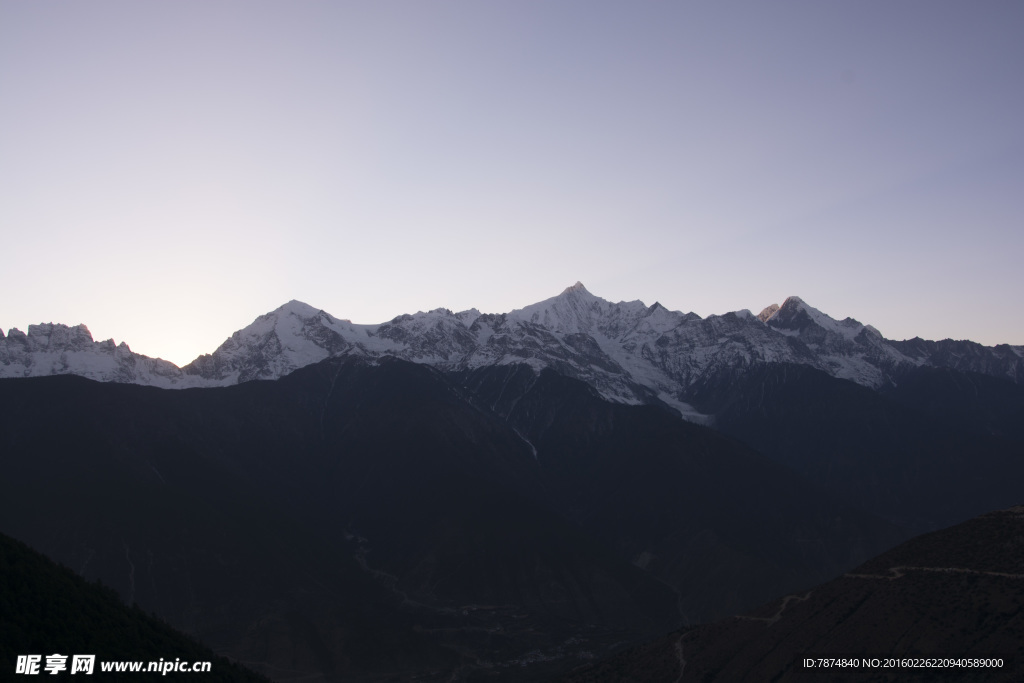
x: 577, y: 311
x: 54, y: 349
x: 296, y: 334
x: 658, y: 319
x: 843, y: 348
x: 573, y: 311
x: 296, y: 307
x: 795, y: 316
x: 289, y: 337
x: 55, y: 337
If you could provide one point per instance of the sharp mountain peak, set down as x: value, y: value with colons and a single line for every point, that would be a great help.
x: 578, y: 287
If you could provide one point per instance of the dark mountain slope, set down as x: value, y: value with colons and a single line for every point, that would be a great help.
x: 953, y: 593
x: 351, y: 520
x: 47, y: 609
x: 725, y: 526
x: 144, y: 490
x: 880, y: 452
x: 362, y: 520
x: 989, y: 405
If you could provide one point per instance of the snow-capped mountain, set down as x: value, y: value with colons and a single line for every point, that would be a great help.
x: 53, y: 349
x: 628, y: 351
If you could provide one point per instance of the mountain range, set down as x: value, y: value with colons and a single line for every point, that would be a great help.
x: 631, y: 353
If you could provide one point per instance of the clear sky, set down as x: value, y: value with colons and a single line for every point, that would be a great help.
x: 171, y: 170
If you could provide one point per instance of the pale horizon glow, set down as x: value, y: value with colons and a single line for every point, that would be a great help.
x: 169, y: 172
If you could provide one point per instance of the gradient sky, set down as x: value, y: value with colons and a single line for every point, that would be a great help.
x: 171, y: 170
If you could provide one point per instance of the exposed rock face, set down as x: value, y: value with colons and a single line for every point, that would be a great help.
x: 767, y: 313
